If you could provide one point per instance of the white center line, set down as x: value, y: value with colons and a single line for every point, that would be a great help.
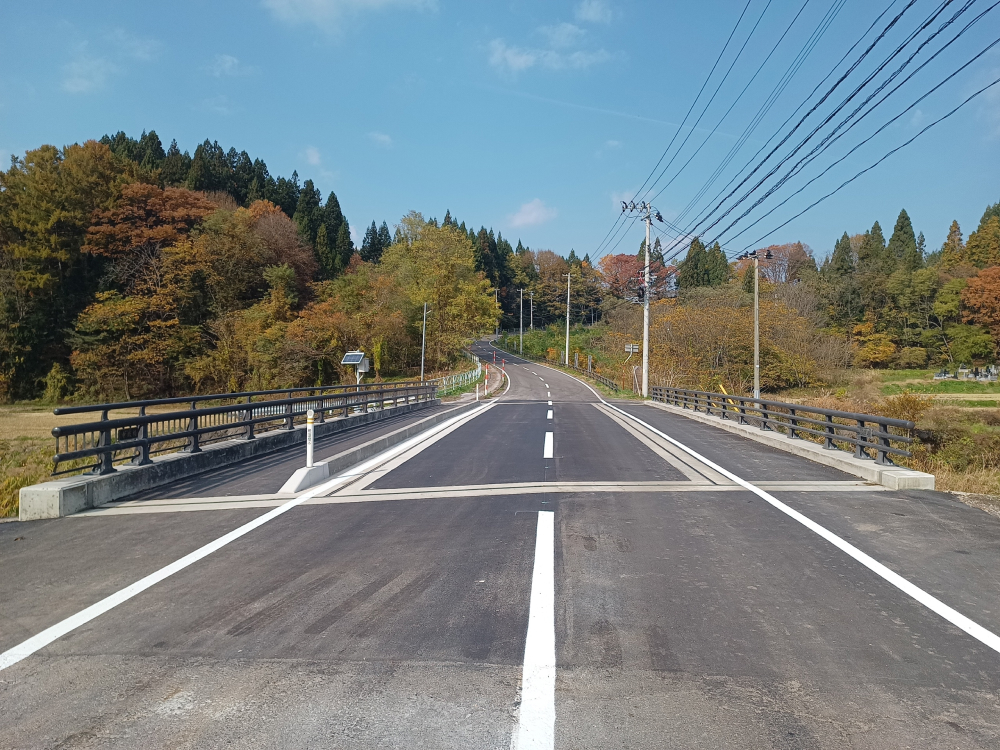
x: 547, y: 450
x: 548, y: 395
x: 536, y: 722
x: 550, y: 403
x: 549, y: 415
x: 546, y: 385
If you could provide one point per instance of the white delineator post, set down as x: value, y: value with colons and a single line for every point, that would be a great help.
x: 310, y: 437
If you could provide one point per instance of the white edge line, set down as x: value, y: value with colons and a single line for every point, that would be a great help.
x: 537, y: 715
x: 956, y: 618
x: 41, y: 640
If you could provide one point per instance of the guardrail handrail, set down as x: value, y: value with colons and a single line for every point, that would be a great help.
x: 792, y: 419
x: 185, y: 429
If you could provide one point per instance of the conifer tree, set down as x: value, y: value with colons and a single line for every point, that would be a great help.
x: 693, y: 271
x: 384, y: 237
x: 902, y: 248
x: 716, y: 266
x: 371, y: 251
x: 842, y: 260
x: 953, y: 249
x: 343, y: 246
x: 325, y: 254
x: 308, y: 216
x: 175, y: 167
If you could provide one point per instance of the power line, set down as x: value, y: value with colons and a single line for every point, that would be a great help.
x: 833, y: 136
x: 825, y: 96
x: 871, y: 167
x: 879, y: 130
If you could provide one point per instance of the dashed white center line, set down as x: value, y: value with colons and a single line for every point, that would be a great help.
x: 548, y: 395
x: 547, y: 450
x: 550, y: 403
x: 549, y: 415
x: 546, y: 385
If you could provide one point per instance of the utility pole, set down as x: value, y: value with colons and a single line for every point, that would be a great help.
x: 531, y: 310
x: 756, y: 258
x: 567, y: 317
x: 648, y: 213
x: 522, y: 320
x: 423, y: 342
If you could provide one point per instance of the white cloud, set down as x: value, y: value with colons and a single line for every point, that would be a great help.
x: 380, y: 139
x: 532, y: 214
x: 327, y: 13
x: 562, y: 35
x: 517, y: 59
x: 86, y: 74
x: 220, y: 105
x: 226, y: 65
x: 594, y: 11
x: 917, y: 119
x: 312, y: 156
x: 133, y: 46
x: 613, y: 144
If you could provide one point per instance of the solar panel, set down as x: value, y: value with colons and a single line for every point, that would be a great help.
x: 353, y: 358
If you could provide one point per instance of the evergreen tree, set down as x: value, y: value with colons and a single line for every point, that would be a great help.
x: 989, y: 213
x: 325, y: 254
x: 371, y: 251
x: 343, y: 246
x: 902, y: 248
x: 308, y: 215
x: 871, y: 254
x: 572, y: 259
x: 175, y: 167
x: 448, y: 221
x: 953, y: 249
x: 841, y: 262
x: 693, y: 271
x: 384, y: 237
x: 716, y: 266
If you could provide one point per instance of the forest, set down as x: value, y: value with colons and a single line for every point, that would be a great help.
x: 129, y: 271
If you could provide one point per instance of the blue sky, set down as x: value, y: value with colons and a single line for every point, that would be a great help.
x: 534, y: 118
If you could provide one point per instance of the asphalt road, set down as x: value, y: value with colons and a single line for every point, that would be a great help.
x: 466, y: 591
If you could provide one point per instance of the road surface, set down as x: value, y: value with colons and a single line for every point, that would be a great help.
x: 543, y: 570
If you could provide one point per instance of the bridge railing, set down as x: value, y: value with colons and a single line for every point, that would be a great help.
x: 450, y: 383
x: 186, y: 423
x: 867, y: 436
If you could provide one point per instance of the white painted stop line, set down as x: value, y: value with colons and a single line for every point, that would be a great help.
x: 547, y: 450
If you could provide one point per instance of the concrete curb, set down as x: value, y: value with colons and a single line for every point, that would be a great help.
x: 893, y: 477
x: 304, y: 478
x: 63, y: 497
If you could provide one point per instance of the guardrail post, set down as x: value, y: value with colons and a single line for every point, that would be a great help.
x: 830, y: 434
x: 193, y: 446
x: 881, y: 456
x: 742, y: 409
x: 792, y: 424
x: 249, y: 418
x: 106, y: 465
x: 859, y: 448
x: 142, y: 455
x: 289, y: 417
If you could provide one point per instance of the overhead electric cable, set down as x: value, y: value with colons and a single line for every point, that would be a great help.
x: 868, y: 79
x: 869, y: 138
x: 871, y: 167
x: 850, y: 120
x: 816, y: 106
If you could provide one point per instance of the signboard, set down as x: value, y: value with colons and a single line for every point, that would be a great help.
x: 632, y: 348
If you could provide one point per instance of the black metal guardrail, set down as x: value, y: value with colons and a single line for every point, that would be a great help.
x: 589, y: 373
x: 232, y: 415
x: 866, y: 434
